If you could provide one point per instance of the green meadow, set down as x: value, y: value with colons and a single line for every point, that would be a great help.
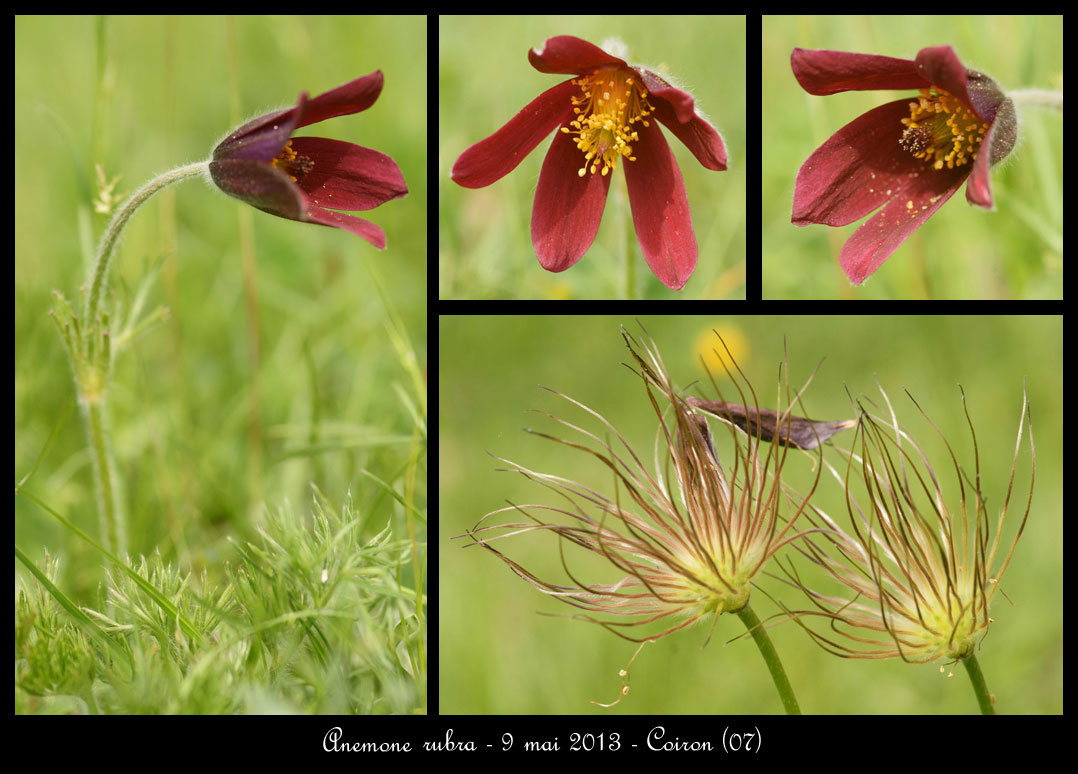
x: 268, y: 407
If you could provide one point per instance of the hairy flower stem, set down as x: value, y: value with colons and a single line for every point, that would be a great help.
x: 771, y: 658
x: 119, y: 223
x: 109, y: 503
x: 984, y: 698
x: 1038, y: 98
x: 89, y: 348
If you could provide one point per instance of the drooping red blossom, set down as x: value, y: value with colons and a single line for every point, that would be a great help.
x: 603, y: 115
x: 908, y: 157
x: 308, y: 178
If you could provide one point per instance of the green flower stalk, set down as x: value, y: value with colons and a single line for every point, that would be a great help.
x: 685, y: 554
x: 92, y: 349
x: 924, y: 560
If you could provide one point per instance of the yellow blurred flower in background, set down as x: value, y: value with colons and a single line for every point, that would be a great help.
x: 706, y: 348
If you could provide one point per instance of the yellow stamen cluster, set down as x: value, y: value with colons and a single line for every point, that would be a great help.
x: 613, y: 101
x: 942, y: 130
x: 292, y: 165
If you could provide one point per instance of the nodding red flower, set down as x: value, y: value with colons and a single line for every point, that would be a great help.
x: 308, y: 178
x: 908, y: 156
x: 604, y: 117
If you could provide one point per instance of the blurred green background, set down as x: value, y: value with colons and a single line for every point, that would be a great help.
x: 1015, y: 251
x: 205, y: 431
x: 484, y: 241
x: 500, y: 654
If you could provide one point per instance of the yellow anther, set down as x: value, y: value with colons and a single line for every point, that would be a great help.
x: 291, y: 164
x: 611, y: 104
x: 934, y: 130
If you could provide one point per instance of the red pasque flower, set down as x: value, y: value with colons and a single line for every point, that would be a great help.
x: 307, y: 178
x: 908, y: 156
x: 604, y: 117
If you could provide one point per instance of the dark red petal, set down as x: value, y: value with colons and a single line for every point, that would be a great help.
x: 979, y: 187
x: 498, y: 155
x: 941, y: 67
x: 567, y: 55
x: 859, y: 168
x: 829, y: 72
x: 876, y: 239
x: 987, y: 100
x: 700, y: 137
x: 271, y: 190
x: 358, y: 226
x: 353, y: 97
x: 1004, y: 132
x: 262, y: 138
x: 567, y: 208
x: 345, y: 176
x: 660, y: 208
x: 999, y: 140
x: 679, y: 103
x: 260, y: 185
x: 676, y: 109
